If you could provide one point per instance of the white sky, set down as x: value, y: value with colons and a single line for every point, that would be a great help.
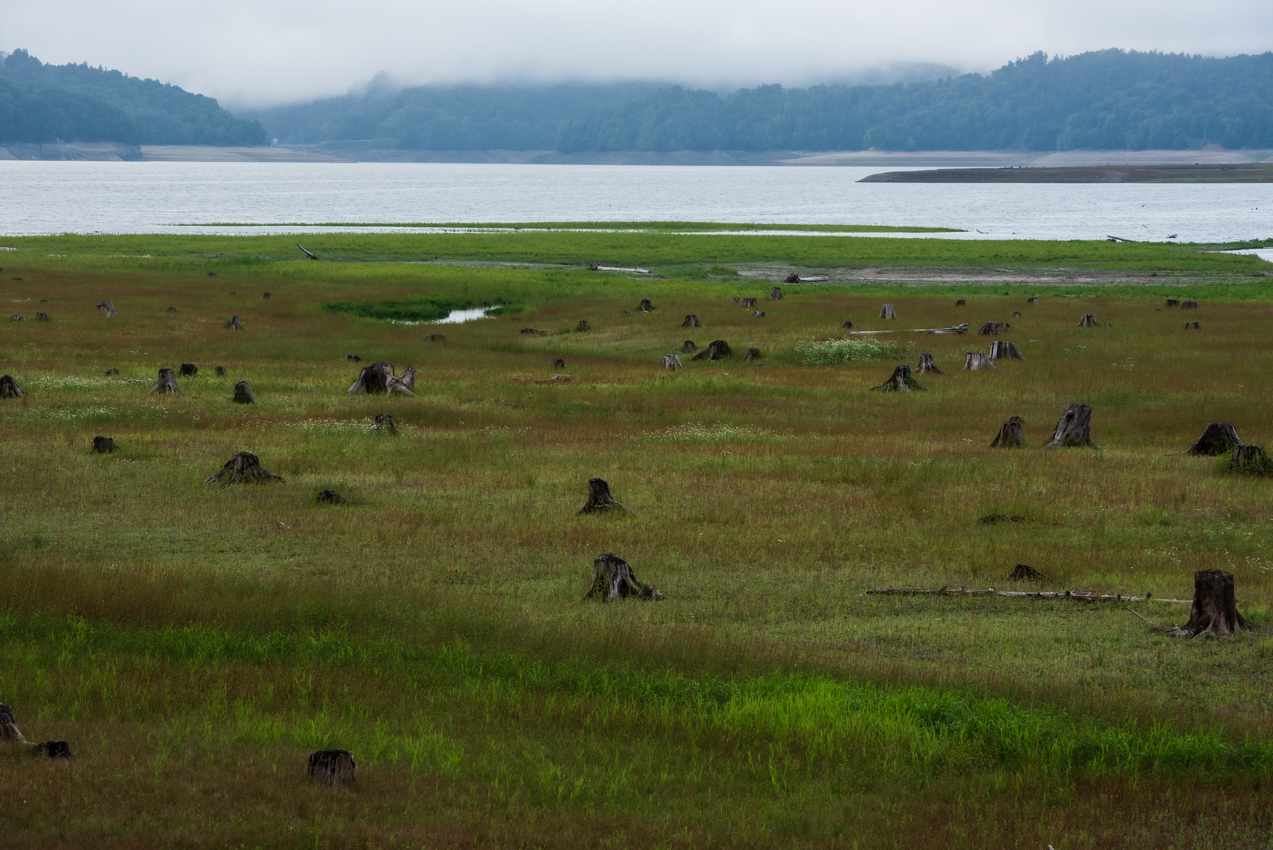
x: 260, y: 52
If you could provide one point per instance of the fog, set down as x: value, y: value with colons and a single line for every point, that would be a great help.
x: 266, y: 52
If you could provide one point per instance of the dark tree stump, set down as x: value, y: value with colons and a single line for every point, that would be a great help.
x: 243, y: 393
x: 8, y: 727
x: 1074, y: 428
x: 372, y: 379
x: 166, y: 383
x: 53, y: 750
x: 759, y: 314
x: 404, y: 384
x: 1172, y: 302
x: 329, y: 497
x: 645, y: 306
x: 1032, y: 300
x: 528, y: 331
x: 384, y: 422
x: 752, y: 354
x: 243, y: 468
x: 108, y: 308
x: 775, y: 294
x: 1016, y: 314
x: 234, y: 324
x: 170, y: 310
x: 791, y: 278
x: 671, y: 362
x: 1022, y: 572
x: 188, y: 370
x: 435, y: 337
x: 331, y: 767
x: 715, y: 350
x: 691, y: 321
x: 1011, y: 435
x: 16, y: 318
x: 1003, y: 350
x: 847, y: 325
x: 582, y: 326
x: 749, y: 302
x: 612, y: 578
x: 961, y: 303
x: 265, y: 296
x: 103, y: 445
x: 1251, y: 459
x: 1192, y: 326
x: 888, y: 311
x: 42, y: 317
x: 352, y: 358
x: 1219, y: 438
x: 988, y: 328
x: 1188, y: 305
x: 974, y: 360
x: 599, y: 498
x: 689, y: 347
x: 734, y: 300
x: 900, y: 381
x: 1088, y: 320
x: 110, y: 372
x: 558, y: 363
x: 1215, y: 608
x: 926, y: 364
x: 219, y: 371
x: 9, y: 388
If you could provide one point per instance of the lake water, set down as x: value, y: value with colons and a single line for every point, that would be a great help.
x: 159, y: 197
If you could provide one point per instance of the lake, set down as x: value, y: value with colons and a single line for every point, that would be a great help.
x: 163, y: 197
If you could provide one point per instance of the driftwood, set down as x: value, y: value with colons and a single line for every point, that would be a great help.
x: 1023, y: 572
x: 1173, y: 302
x: 1034, y: 299
x: 1011, y: 435
x: 988, y: 328
x: 372, y: 379
x: 1192, y: 326
x: 188, y: 370
x: 329, y: 497
x: 599, y: 498
x: 671, y: 362
x: 900, y: 381
x: 384, y: 422
x: 219, y: 371
x: 1088, y: 320
x: 847, y: 325
x: 8, y: 726
x: 752, y: 354
x: 265, y: 296
x: 53, y: 750
x: 234, y: 324
x: 352, y: 358
x: 689, y: 347
x: 887, y: 311
x: 612, y: 578
x: 1073, y: 428
x: 1073, y: 595
x: 243, y: 393
x: 1001, y: 349
x: 103, y: 445
x: 582, y: 326
x: 749, y: 302
x: 244, y: 467
x: 1251, y: 459
x: 645, y: 306
x: 108, y: 308
x: 110, y: 372
x: 1214, y: 610
x: 775, y: 294
x: 558, y: 363
x: 759, y: 314
x: 435, y: 337
x: 1188, y: 305
x: 974, y: 360
x: 42, y: 317
x: 307, y: 253
x: 691, y: 321
x: 331, y: 767
x: 715, y: 350
x: 166, y: 383
x: 1219, y: 438
x: 555, y: 379
x: 926, y: 364
x: 597, y: 267
x: 961, y: 303
x: 9, y: 388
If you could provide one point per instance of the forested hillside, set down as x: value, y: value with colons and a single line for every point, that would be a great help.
x: 1109, y: 99
x: 44, y: 103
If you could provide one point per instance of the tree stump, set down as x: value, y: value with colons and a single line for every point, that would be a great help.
x: 715, y: 350
x: 1188, y: 305
x: 987, y: 329
x: 888, y: 311
x: 188, y: 370
x: 961, y: 303
x: 372, y: 379
x: 847, y: 325
x: 1022, y: 572
x: 775, y: 294
x: 528, y: 331
x: 352, y: 358
x: 53, y: 750
x: 752, y: 354
x: 1016, y: 314
x: 612, y: 578
x: 1192, y: 326
x: 1219, y: 438
x: 329, y: 497
x: 759, y: 314
x: 9, y: 388
x: 243, y: 468
x: 219, y: 371
x: 671, y: 362
x: 599, y: 498
x: 1173, y: 302
x: 167, y: 382
x: 103, y: 445
x: 645, y: 306
x: 558, y: 363
x: 791, y: 278
x: 926, y: 364
x: 734, y: 300
x: 16, y: 318
x: 110, y: 372
x: 170, y: 310
x: 234, y: 324
x: 1088, y: 320
x: 108, y: 308
x: 1074, y: 428
x: 404, y: 384
x: 435, y: 337
x: 900, y: 381
x: 1215, y: 608
x: 1011, y: 435
x: 331, y: 767
x: 691, y: 321
x: 582, y: 326
x: 265, y: 296
x: 1032, y: 300
x: 1251, y: 459
x: 8, y: 727
x: 749, y: 302
x: 974, y: 360
x: 243, y: 393
x: 42, y: 317
x: 689, y: 347
x: 1001, y: 349
x: 384, y: 422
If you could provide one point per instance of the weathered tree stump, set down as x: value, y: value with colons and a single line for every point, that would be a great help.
x: 715, y: 350
x: 961, y: 303
x: 331, y: 767
x: 243, y: 393
x: 888, y: 311
x: 103, y: 445
x: 1251, y: 459
x: 1011, y: 435
x: 372, y: 379
x: 1173, y: 302
x: 1215, y: 608
x: 582, y: 326
x: 16, y: 318
x: 645, y: 306
x: 752, y: 354
x: 110, y: 372
x: 847, y: 325
x: 775, y: 294
x: 42, y: 317
x: 528, y: 331
x: 612, y: 578
x: 188, y: 370
x: 599, y: 498
x: 108, y: 308
x: 759, y: 314
x: 404, y: 384
x: 1192, y: 326
x: 243, y: 467
x: 734, y: 300
x: 1074, y: 428
x: 8, y: 726
x: 1218, y: 438
x: 691, y: 321
x: 900, y: 381
x: 1188, y: 305
x: 926, y: 364
x: 435, y: 337
x: 265, y: 296
x: 689, y: 347
x: 1022, y: 572
x: 558, y: 363
x: 170, y: 310
x: 384, y: 422
x: 1088, y: 320
x: 9, y: 388
x: 749, y: 302
x: 234, y: 324
x: 1016, y: 314
x: 671, y: 362
x: 987, y: 329
x: 352, y: 358
x: 166, y: 383
x: 974, y: 360
x: 53, y: 750
x: 1032, y: 300
x: 1001, y: 349
x: 219, y: 371
x: 329, y: 497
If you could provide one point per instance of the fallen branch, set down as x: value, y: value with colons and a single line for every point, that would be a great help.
x: 953, y: 329
x: 600, y: 268
x: 1073, y: 595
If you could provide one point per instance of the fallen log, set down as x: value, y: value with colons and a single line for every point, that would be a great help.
x: 597, y: 267
x: 1072, y: 595
x: 307, y: 253
x: 953, y: 329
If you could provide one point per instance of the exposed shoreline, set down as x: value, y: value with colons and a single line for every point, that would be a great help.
x: 1159, y: 173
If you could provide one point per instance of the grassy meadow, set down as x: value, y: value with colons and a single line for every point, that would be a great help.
x: 193, y: 644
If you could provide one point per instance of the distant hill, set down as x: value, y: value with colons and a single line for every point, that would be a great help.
x: 44, y: 103
x: 1110, y: 99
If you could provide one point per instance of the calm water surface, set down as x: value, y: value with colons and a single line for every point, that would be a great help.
x: 159, y: 197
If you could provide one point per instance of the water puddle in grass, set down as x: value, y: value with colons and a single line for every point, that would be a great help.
x: 1265, y: 254
x: 457, y: 316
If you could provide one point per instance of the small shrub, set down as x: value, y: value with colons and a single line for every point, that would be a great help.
x: 834, y: 351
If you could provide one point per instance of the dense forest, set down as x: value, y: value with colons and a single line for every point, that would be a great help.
x: 45, y: 103
x: 1111, y: 99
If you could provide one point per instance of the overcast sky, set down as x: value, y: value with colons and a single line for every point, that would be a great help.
x: 261, y: 52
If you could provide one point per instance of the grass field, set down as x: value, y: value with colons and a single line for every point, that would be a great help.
x: 193, y: 644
